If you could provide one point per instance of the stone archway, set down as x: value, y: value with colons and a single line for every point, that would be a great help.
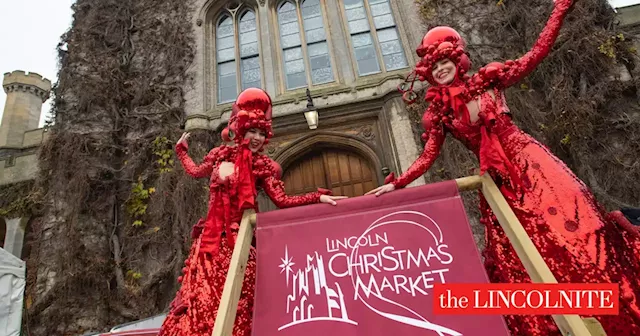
x: 342, y: 164
x: 323, y: 140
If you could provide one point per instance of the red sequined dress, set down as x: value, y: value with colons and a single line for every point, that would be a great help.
x: 567, y: 225
x: 194, y: 309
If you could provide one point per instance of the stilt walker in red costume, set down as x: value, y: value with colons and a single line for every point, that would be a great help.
x: 556, y: 208
x: 234, y: 173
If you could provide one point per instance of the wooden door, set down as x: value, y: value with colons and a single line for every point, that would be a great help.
x: 343, y: 172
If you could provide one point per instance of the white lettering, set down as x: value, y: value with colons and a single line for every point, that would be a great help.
x: 449, y: 258
x: 332, y: 269
x: 605, y: 296
x: 390, y: 258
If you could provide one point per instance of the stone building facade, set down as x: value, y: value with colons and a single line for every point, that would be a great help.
x: 350, y: 54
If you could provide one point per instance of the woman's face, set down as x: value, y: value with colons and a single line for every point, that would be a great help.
x: 444, y: 71
x: 256, y: 138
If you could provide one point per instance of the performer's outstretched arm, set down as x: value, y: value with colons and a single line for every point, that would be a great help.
x: 198, y: 171
x: 527, y: 63
x: 274, y: 188
x: 424, y: 161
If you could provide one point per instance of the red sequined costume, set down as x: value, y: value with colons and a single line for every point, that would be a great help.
x: 194, y: 309
x: 577, y: 240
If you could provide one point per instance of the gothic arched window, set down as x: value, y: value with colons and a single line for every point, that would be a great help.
x: 237, y: 54
x: 306, y: 57
x: 378, y: 49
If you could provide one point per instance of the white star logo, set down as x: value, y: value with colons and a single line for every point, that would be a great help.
x: 287, y: 262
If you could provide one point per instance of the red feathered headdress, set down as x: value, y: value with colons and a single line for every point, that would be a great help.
x: 252, y: 109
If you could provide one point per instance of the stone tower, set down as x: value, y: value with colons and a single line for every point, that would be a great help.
x: 26, y: 92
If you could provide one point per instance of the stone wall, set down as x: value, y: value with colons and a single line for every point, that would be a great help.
x: 19, y: 167
x: 21, y: 164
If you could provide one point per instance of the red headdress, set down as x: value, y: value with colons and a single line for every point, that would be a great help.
x: 252, y: 109
x: 437, y: 44
x: 440, y: 43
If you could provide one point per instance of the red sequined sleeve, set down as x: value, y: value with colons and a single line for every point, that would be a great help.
x: 198, y: 171
x: 425, y: 160
x: 275, y: 190
x: 527, y: 63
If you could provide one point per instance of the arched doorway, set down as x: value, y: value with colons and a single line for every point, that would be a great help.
x: 344, y: 172
x: 343, y: 164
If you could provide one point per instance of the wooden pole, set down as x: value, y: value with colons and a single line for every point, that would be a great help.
x: 473, y: 182
x: 570, y: 325
x: 235, y: 276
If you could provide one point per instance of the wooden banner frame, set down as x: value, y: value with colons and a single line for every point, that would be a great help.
x: 569, y: 325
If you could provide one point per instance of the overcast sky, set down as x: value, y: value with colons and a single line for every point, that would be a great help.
x: 31, y: 30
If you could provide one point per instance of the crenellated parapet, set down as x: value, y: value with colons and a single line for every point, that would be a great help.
x: 20, y: 81
x: 26, y: 92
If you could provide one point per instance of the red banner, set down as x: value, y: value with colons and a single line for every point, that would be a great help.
x: 368, y: 267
